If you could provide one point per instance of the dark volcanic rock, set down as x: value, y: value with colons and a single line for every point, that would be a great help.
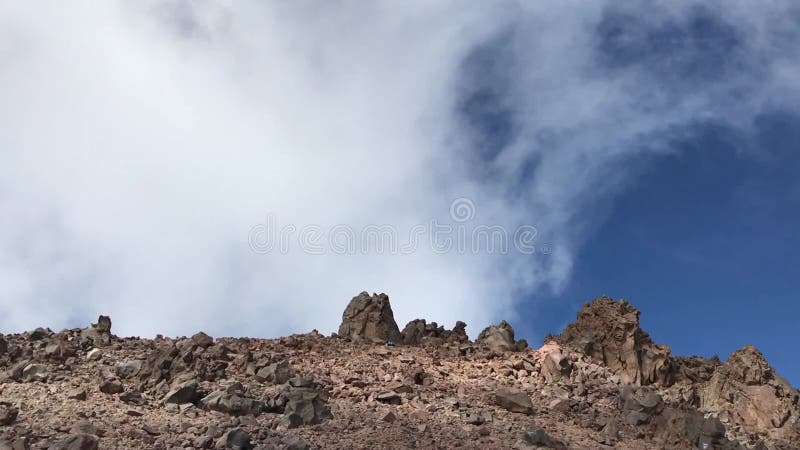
x: 639, y: 404
x: 306, y: 406
x: 418, y: 331
x: 232, y: 400
x: 238, y: 439
x: 185, y: 392
x: 277, y: 373
x: 8, y: 414
x: 369, y: 319
x: 498, y: 338
x: 514, y: 400
x: 202, y: 340
x: 99, y: 334
x: 75, y: 442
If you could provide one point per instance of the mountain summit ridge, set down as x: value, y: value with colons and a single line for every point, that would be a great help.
x: 601, y: 383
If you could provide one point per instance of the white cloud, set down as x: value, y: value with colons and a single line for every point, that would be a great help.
x: 140, y: 142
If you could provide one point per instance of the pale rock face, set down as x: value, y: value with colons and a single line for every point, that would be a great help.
x: 746, y: 391
x: 554, y: 362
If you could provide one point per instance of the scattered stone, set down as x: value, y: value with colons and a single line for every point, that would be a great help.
x: 77, y: 394
x: 277, y: 373
x: 639, y: 404
x: 305, y: 407
x: 232, y: 401
x: 295, y: 443
x: 514, y: 400
x: 132, y: 397
x: 390, y: 397
x: 94, y: 354
x: 8, y: 414
x: 237, y: 439
x: 59, y: 348
x: 202, y: 340
x: 99, y: 334
x: 418, y: 332
x: 35, y: 372
x: 75, y: 442
x: 537, y: 437
x: 129, y: 368
x: 39, y: 334
x: 111, y: 386
x: 476, y: 417
x: 85, y: 427
x: 437, y: 391
x: 185, y: 392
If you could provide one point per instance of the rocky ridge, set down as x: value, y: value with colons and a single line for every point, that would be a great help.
x: 601, y: 383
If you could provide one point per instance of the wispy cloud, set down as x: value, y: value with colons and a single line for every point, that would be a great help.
x: 141, y: 142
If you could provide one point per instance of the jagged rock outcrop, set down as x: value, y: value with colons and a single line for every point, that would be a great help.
x: 418, y: 332
x: 500, y: 338
x: 439, y: 391
x: 747, y: 392
x: 97, y: 335
x: 369, y: 318
x: 609, y: 332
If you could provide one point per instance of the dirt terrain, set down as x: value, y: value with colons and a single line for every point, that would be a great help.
x: 601, y: 383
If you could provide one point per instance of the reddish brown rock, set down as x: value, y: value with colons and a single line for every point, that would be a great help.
x: 609, y: 332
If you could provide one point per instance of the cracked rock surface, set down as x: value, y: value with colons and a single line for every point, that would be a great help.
x: 601, y: 383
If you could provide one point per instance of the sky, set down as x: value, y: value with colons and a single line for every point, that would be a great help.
x: 246, y: 168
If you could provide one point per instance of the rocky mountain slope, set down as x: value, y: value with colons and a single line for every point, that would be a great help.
x: 601, y: 383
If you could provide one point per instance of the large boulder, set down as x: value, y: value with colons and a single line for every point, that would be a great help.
x: 689, y: 428
x: 75, y: 442
x: 60, y: 347
x: 232, y: 400
x: 8, y: 414
x: 639, y: 404
x: 514, y: 400
x: 499, y: 338
x: 306, y: 406
x: 369, y: 318
x: 98, y: 334
x: 609, y: 332
x: 277, y: 373
x: 185, y: 392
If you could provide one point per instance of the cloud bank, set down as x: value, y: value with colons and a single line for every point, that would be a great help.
x: 141, y: 142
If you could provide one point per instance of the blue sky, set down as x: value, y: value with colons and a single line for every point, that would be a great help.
x: 697, y: 221
x: 652, y: 144
x: 705, y: 243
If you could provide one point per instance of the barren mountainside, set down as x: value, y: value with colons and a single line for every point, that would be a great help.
x: 601, y: 383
